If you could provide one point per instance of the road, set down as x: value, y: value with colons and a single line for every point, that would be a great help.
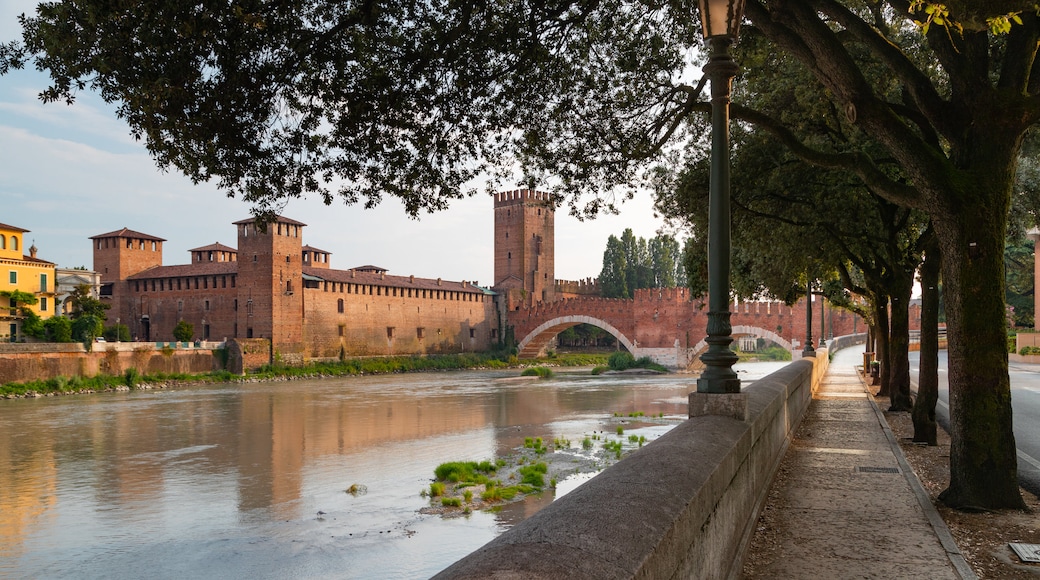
x: 1025, y: 404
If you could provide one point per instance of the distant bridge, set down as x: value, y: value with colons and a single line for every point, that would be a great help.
x: 665, y: 325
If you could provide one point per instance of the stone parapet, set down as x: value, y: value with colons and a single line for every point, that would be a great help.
x: 684, y: 506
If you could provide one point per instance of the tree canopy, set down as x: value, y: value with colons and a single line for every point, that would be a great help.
x: 357, y: 100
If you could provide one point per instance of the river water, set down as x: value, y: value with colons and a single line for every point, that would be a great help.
x: 250, y: 480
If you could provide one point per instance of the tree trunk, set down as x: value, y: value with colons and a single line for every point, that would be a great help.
x: 925, y: 430
x: 983, y: 464
x: 881, y: 336
x: 899, y: 344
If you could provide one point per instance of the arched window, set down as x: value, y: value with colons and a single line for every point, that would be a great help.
x: 3, y: 242
x: 339, y: 306
x: 14, y: 242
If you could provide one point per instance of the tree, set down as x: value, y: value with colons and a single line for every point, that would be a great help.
x: 613, y: 278
x: 59, y: 329
x: 184, y: 331
x: 84, y: 304
x: 320, y: 97
x: 664, y: 261
x: 117, y: 333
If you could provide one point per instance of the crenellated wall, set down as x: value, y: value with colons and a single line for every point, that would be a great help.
x: 665, y: 324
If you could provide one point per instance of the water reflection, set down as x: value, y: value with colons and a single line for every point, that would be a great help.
x: 230, y: 479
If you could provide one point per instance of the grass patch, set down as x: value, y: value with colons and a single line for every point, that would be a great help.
x: 465, y: 471
x: 540, y: 372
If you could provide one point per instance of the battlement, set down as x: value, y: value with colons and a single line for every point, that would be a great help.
x: 648, y: 294
x: 520, y: 196
x: 586, y: 287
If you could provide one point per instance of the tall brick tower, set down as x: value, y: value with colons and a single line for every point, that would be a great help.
x: 524, y: 247
x: 270, y: 285
x: 117, y: 256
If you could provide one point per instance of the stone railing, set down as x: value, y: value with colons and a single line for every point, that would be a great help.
x: 684, y: 506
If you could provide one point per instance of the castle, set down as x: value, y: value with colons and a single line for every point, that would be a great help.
x: 274, y: 286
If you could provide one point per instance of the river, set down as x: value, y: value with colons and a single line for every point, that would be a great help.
x: 251, y: 480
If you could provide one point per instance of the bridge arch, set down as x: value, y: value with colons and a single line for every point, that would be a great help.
x: 752, y: 330
x: 535, y: 342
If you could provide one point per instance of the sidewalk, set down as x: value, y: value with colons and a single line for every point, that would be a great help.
x: 845, y: 503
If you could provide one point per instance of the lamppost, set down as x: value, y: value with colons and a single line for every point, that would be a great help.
x: 808, y: 350
x: 720, y: 23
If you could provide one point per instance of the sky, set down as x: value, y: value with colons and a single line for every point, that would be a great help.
x: 71, y: 172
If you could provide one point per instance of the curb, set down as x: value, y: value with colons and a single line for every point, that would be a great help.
x: 960, y: 564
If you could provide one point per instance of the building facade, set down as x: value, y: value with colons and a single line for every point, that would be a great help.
x: 20, y: 272
x: 274, y: 286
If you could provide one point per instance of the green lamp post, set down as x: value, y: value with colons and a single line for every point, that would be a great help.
x: 720, y: 21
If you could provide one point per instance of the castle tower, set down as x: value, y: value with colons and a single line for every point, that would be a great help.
x: 270, y: 285
x: 524, y: 247
x: 117, y: 256
x: 123, y: 253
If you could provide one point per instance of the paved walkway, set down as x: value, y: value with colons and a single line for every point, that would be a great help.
x: 845, y: 503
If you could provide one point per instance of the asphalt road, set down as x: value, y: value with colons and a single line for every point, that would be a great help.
x: 1025, y: 405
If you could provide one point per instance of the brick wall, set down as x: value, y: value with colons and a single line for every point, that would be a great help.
x: 29, y: 366
x: 457, y: 321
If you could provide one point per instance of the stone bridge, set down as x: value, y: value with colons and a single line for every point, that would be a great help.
x: 669, y: 327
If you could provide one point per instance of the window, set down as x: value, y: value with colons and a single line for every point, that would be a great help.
x: 3, y: 242
x: 342, y: 328
x: 43, y: 282
x: 494, y: 333
x: 339, y: 306
x: 43, y: 304
x: 13, y: 278
x: 205, y: 331
x: 390, y: 332
x: 473, y: 333
x: 236, y: 305
x: 206, y: 307
x: 419, y: 332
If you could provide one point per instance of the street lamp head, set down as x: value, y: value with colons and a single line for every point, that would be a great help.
x: 721, y: 18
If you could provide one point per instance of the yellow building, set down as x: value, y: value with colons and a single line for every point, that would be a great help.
x: 25, y: 273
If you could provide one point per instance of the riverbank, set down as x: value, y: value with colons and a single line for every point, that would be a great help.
x: 131, y: 380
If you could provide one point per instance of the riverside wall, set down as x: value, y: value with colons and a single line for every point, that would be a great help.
x: 20, y: 363
x: 683, y: 506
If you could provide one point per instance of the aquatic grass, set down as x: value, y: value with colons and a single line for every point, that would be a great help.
x: 620, y: 430
x: 465, y: 471
x: 536, y: 444
x: 534, y: 474
x: 540, y: 372
x: 436, y: 489
x: 451, y: 502
x: 586, y: 444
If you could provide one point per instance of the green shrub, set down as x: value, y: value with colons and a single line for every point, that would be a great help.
x: 621, y: 360
x: 451, y: 502
x: 541, y: 372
